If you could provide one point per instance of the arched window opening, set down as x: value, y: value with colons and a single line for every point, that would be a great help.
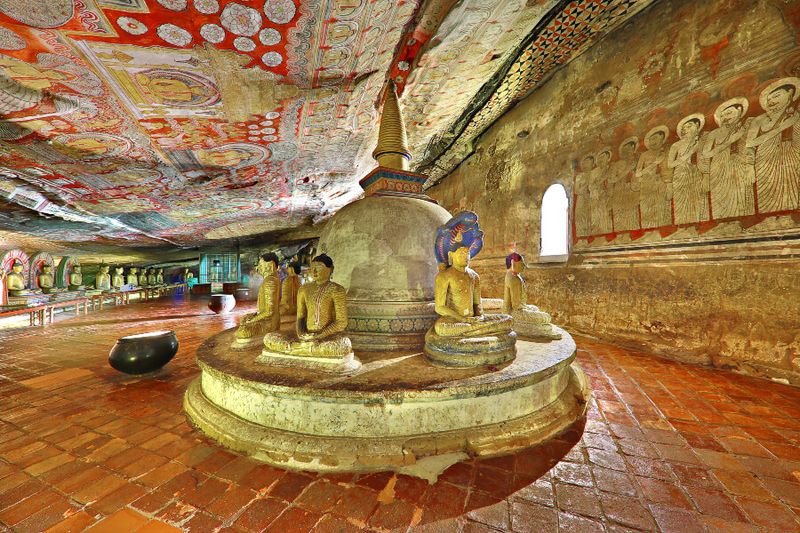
x: 555, y: 224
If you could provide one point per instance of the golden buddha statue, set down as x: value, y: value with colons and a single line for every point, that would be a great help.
x: 45, y: 280
x: 15, y: 281
x: 268, y: 315
x: 457, y: 293
x: 75, y: 281
x: 463, y: 335
x: 133, y: 278
x: 529, y: 321
x: 160, y: 276
x: 289, y: 289
x: 103, y: 280
x: 118, y: 280
x: 321, y: 320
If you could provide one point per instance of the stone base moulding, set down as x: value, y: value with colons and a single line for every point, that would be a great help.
x: 396, y: 412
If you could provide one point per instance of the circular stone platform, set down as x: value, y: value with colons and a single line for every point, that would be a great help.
x: 397, y: 412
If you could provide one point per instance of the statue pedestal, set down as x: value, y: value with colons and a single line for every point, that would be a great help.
x: 466, y: 352
x: 396, y: 413
x: 28, y: 300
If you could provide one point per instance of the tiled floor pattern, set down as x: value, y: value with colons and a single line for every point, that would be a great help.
x: 665, y: 447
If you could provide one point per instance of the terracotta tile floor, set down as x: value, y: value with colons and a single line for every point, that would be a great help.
x: 665, y: 447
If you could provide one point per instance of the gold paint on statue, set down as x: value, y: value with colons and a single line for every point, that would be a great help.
x: 321, y: 318
x: 457, y: 292
x: 16, y: 281
x: 267, y: 318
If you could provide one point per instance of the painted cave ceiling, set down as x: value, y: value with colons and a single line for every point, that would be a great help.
x: 189, y: 122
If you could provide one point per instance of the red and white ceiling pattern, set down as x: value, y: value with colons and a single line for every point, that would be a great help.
x: 182, y: 121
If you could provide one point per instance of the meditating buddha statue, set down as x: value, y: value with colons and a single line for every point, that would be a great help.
x: 45, y: 280
x: 289, y: 289
x: 268, y: 316
x: 75, y: 281
x: 463, y: 335
x: 16, y: 281
x: 151, y: 277
x: 133, y: 278
x: 319, y: 341
x: 103, y: 280
x: 118, y: 280
x: 529, y: 321
x: 160, y: 276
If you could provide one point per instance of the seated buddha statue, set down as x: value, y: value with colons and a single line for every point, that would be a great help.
x: 15, y: 281
x: 160, y: 276
x: 268, y: 315
x: 463, y: 335
x: 319, y: 341
x: 133, y: 277
x: 45, y: 280
x: 151, y: 277
x: 289, y: 289
x: 103, y: 280
x: 118, y: 280
x: 75, y: 281
x: 529, y: 321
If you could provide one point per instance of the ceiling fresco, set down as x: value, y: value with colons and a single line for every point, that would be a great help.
x: 180, y: 123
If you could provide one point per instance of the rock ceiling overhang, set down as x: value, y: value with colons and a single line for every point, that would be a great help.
x: 188, y: 122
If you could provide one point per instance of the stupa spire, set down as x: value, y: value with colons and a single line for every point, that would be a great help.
x: 392, y: 150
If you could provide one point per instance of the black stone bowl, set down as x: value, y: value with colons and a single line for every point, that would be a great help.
x: 143, y: 353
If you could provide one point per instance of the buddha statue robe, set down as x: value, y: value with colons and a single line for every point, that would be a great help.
x: 529, y: 321
x: 267, y: 317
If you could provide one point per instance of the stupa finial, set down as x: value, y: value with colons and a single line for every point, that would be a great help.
x: 392, y: 150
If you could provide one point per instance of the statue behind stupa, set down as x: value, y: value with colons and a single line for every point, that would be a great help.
x: 463, y: 335
x: 320, y: 342
x: 529, y: 321
x: 268, y: 315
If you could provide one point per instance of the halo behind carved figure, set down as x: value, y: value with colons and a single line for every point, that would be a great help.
x: 740, y: 101
x: 462, y: 229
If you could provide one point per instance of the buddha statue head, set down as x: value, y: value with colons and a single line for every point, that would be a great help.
x: 17, y: 268
x: 516, y: 263
x: 459, y: 256
x: 321, y: 269
x: 267, y: 264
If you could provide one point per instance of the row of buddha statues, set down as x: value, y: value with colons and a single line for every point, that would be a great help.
x: 104, y: 281
x: 463, y: 335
